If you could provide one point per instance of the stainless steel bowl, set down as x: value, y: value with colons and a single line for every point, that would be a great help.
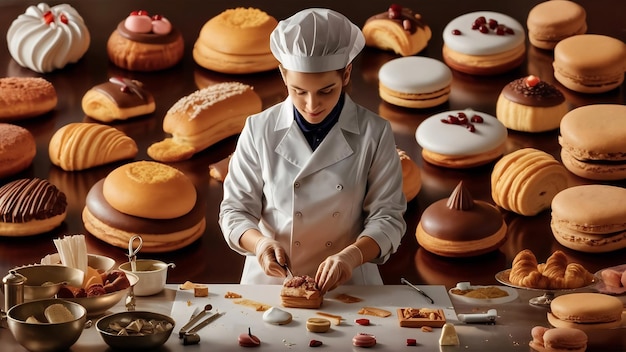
x: 45, y: 337
x: 133, y: 342
x: 98, y: 305
x: 44, y: 281
x: 95, y: 261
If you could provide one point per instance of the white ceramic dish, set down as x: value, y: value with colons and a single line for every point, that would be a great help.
x: 512, y: 295
x: 152, y: 276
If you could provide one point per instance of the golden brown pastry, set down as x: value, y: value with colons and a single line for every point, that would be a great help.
x: 82, y: 145
x: 524, y: 270
x: 411, y: 176
x: 17, y: 149
x: 300, y: 292
x: 556, y: 273
x: 554, y: 269
x: 204, y: 118
x: 117, y: 99
x: 236, y: 41
x: 398, y: 29
x: 23, y: 97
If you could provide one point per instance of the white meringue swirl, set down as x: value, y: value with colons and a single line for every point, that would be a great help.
x: 46, y: 38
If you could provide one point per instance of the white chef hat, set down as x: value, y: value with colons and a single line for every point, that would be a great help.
x: 316, y: 40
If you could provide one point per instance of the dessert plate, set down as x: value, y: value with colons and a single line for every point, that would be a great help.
x: 610, y: 290
x: 512, y: 295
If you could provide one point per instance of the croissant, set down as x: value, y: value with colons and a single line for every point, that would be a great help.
x: 524, y: 270
x: 554, y: 270
x: 82, y: 145
x: 577, y: 276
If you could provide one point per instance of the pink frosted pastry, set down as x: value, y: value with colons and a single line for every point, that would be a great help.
x: 248, y: 340
x: 145, y: 42
x: 364, y: 340
x: 46, y: 38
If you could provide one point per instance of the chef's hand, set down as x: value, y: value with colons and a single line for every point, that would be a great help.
x: 337, y: 268
x: 271, y: 256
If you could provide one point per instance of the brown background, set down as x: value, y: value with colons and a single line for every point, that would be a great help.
x: 209, y: 259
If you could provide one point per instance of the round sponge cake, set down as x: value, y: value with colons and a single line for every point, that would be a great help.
x: 236, y: 41
x: 150, y: 190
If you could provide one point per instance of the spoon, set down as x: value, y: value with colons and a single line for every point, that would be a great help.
x: 193, y: 320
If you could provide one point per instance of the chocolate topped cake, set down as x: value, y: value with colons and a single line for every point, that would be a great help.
x: 529, y: 104
x: 460, y: 226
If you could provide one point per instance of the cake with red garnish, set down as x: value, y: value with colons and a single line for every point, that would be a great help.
x: 145, y: 42
x: 461, y: 139
x: 398, y: 29
x: 300, y: 292
x: 484, y: 43
x: 46, y: 38
x: 459, y: 226
x: 529, y: 104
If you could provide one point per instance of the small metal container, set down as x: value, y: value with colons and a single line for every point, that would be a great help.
x: 13, y: 285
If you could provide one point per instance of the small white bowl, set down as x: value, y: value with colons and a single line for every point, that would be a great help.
x: 152, y: 276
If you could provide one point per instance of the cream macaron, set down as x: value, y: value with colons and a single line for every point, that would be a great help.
x: 414, y: 82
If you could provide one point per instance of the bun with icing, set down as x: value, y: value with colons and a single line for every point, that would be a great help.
x: 145, y: 42
x: 146, y: 198
x: 204, y: 118
x: 30, y: 207
x: 82, y: 145
x: 478, y: 226
x: 529, y: 104
x: 24, y: 97
x: 300, y: 292
x: 46, y: 38
x: 398, y: 29
x: 236, y: 41
x: 117, y: 99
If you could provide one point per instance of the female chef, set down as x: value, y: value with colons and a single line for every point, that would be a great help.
x: 315, y: 182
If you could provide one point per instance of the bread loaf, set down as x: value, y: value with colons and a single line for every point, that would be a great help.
x: 82, y: 145
x: 204, y: 118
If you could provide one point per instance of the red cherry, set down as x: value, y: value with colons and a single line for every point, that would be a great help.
x: 63, y: 19
x: 411, y: 342
x: 315, y: 343
x: 362, y: 321
x: 395, y: 7
x: 139, y: 13
x: 48, y: 17
x: 532, y: 80
x: 157, y: 17
x: 477, y: 119
x: 456, y: 32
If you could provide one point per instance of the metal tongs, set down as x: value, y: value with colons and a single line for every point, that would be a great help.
x: 132, y: 258
x: 419, y: 290
x: 189, y: 332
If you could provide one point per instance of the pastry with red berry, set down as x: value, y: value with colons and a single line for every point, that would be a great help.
x: 301, y: 292
x: 398, y: 29
x: 529, y: 104
x: 484, y: 43
x: 144, y: 42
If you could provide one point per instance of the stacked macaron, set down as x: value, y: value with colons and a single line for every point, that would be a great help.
x: 592, y: 141
x: 552, y: 21
x: 461, y: 138
x: 558, y: 339
x: 526, y: 180
x: 460, y: 226
x: 414, y: 82
x: 579, y: 67
x: 590, y: 218
x: 150, y: 199
x: 484, y: 43
x: 586, y: 311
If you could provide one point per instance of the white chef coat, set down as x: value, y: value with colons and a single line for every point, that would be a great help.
x: 315, y: 203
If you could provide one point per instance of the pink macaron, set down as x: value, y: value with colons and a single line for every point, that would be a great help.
x: 364, y: 340
x: 558, y: 339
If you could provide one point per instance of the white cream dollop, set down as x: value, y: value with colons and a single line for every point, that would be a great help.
x: 46, y: 38
x: 276, y: 316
